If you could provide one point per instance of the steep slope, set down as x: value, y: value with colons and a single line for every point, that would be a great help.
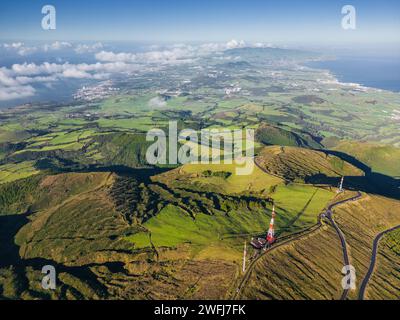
x: 383, y: 159
x: 361, y: 222
x: 108, y: 149
x: 298, y: 164
x: 310, y: 268
x: 76, y: 227
x: 273, y: 135
x: 385, y: 281
x: 71, y: 224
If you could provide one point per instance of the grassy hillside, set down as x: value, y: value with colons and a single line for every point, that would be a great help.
x: 361, y: 221
x: 211, y: 202
x: 306, y: 269
x: 273, y: 135
x: 15, y: 171
x: 385, y: 282
x: 85, y: 148
x: 16, y: 197
x: 74, y: 229
x: 219, y: 178
x: 310, y: 268
x: 297, y: 164
x: 380, y: 158
x: 77, y: 227
x: 173, y: 226
x: 120, y: 149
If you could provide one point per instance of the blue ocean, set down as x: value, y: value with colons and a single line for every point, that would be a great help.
x: 381, y: 73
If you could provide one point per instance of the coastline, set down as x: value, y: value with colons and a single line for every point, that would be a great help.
x: 339, y: 78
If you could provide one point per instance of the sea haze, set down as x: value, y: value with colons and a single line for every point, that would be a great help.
x: 381, y: 73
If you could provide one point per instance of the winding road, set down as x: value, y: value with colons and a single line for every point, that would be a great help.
x: 371, y: 269
x: 328, y: 214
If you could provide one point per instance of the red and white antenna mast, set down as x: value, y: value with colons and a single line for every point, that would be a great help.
x: 271, y: 232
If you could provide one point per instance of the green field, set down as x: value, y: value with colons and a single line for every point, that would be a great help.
x: 12, y: 172
x: 380, y: 158
x: 297, y: 208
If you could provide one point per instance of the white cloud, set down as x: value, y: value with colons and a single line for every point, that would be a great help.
x: 16, y: 81
x: 67, y: 70
x: 176, y: 54
x: 23, y: 80
x: 157, y: 102
x: 16, y: 92
x: 14, y: 45
x: 23, y: 50
x: 111, y: 56
x: 220, y: 47
x: 12, y: 88
x: 233, y: 44
x: 57, y: 45
x: 19, y: 48
x: 85, y: 48
x: 75, y: 73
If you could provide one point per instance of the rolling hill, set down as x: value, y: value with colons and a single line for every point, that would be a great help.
x: 146, y: 234
x: 298, y: 164
x: 274, y: 135
x: 380, y: 158
x: 310, y: 268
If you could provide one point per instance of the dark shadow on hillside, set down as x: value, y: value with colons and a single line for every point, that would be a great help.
x: 350, y: 159
x: 297, y: 217
x: 9, y: 226
x: 141, y: 174
x: 374, y: 183
x: 59, y: 165
x: 9, y: 257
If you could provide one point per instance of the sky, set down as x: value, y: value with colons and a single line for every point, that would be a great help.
x: 283, y: 21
